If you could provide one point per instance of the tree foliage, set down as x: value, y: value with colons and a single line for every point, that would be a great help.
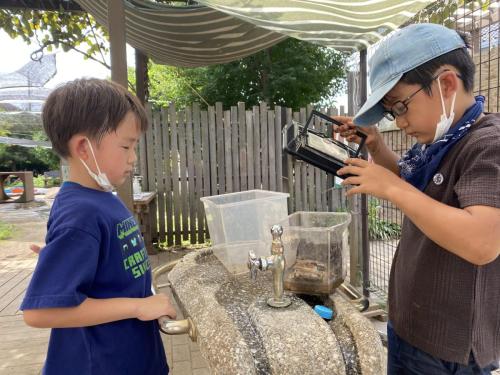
x: 292, y: 73
x: 65, y: 30
x: 17, y: 158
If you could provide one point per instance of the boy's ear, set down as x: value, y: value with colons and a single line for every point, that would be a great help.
x: 449, y: 83
x: 78, y: 147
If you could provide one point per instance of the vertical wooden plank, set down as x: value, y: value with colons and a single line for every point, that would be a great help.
x: 221, y: 170
x: 297, y: 182
x: 290, y: 168
x: 310, y: 174
x: 256, y: 143
x: 150, y: 186
x: 159, y: 177
x: 323, y: 182
x: 213, y: 151
x: 175, y: 174
x: 328, y: 179
x: 190, y: 194
x: 304, y: 169
x: 205, y: 156
x: 143, y: 162
x: 235, y: 153
x: 264, y: 146
x: 227, y: 152
x: 151, y: 171
x: 250, y: 150
x: 242, y: 131
x: 272, y: 152
x: 167, y: 167
x: 198, y: 169
x: 318, y: 188
x: 331, y: 178
x: 183, y: 173
x: 280, y: 157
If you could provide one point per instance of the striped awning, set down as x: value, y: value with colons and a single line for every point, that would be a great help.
x: 186, y: 36
x: 221, y: 31
x: 346, y: 25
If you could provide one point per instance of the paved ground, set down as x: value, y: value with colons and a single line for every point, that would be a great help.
x: 23, y: 349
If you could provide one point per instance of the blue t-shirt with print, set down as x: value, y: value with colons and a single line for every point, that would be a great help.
x: 94, y: 249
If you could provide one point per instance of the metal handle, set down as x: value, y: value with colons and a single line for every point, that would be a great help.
x: 253, y: 265
x: 167, y: 325
x: 337, y: 123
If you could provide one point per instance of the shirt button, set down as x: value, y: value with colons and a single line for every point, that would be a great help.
x: 438, y: 179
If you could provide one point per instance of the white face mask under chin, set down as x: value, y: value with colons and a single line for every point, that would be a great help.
x: 444, y: 124
x: 101, y: 179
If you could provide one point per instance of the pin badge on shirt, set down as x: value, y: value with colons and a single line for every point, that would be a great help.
x: 438, y: 178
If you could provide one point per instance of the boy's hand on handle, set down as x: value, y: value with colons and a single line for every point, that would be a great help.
x: 348, y: 131
x: 154, y: 307
x: 370, y: 178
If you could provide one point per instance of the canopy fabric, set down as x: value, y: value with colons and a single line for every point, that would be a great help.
x: 186, y: 36
x: 346, y: 25
x: 221, y: 31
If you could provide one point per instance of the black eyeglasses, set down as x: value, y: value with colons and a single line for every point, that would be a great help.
x: 400, y: 107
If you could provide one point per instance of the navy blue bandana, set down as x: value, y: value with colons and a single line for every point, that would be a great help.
x: 421, y: 162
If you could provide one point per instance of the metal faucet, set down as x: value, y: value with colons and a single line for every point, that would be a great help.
x: 275, y: 262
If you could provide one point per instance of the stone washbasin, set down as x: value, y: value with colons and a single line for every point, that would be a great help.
x: 238, y: 333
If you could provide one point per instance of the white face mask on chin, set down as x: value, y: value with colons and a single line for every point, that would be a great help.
x: 101, y: 179
x: 444, y: 124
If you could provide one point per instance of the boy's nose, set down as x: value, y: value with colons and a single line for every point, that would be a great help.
x: 133, y: 157
x: 401, y: 122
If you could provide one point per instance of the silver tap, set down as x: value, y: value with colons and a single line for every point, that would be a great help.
x: 274, y: 262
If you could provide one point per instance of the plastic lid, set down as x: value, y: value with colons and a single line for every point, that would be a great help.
x: 323, y: 311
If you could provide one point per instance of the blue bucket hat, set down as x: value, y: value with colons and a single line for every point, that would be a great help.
x: 407, y: 49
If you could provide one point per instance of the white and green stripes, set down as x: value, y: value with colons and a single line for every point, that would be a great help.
x: 221, y: 31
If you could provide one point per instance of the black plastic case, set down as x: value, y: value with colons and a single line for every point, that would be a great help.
x: 302, y: 142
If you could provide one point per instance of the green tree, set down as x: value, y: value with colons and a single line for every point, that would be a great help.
x: 17, y: 158
x: 66, y: 30
x: 292, y: 73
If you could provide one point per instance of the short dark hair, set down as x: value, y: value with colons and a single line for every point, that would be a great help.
x: 93, y: 107
x: 459, y: 58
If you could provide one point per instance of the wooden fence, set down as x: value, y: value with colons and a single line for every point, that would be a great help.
x: 191, y: 153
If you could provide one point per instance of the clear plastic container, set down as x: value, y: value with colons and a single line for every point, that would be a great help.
x: 244, y: 216
x: 319, y: 241
x: 234, y: 256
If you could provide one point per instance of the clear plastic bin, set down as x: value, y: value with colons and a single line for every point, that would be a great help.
x: 319, y: 241
x: 244, y: 216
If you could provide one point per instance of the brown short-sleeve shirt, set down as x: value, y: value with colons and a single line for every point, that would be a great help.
x: 439, y: 302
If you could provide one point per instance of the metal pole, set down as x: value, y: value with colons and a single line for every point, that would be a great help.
x: 364, y: 201
x: 355, y: 273
x: 118, y: 51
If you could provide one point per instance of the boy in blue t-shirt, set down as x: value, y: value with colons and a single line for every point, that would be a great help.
x: 92, y: 283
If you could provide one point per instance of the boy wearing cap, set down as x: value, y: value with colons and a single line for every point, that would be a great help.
x: 444, y: 289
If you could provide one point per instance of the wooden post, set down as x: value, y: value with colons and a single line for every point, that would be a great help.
x: 141, y: 76
x: 118, y: 51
